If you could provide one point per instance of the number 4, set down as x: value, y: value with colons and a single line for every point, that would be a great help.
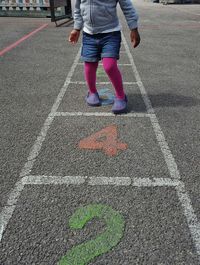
x: 105, y: 139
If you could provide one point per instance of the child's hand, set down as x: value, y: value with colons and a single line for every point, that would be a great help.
x: 74, y: 36
x: 135, y: 37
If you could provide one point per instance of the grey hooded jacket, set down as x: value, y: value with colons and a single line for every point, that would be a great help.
x: 100, y: 15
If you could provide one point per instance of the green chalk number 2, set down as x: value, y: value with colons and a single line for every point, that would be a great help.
x: 86, y: 252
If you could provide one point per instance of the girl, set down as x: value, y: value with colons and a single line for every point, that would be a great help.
x: 102, y: 40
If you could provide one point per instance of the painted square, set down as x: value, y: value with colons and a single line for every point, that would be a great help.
x: 155, y: 230
x: 74, y: 99
x: 61, y: 155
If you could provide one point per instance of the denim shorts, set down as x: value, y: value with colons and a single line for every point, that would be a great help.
x: 101, y: 45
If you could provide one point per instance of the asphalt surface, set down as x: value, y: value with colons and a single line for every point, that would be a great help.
x: 44, y: 174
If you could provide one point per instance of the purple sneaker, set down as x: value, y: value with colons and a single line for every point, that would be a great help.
x: 120, y: 105
x: 93, y: 100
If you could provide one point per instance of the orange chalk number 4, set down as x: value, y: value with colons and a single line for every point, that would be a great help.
x: 105, y: 140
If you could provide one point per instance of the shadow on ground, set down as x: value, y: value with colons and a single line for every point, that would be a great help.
x: 136, y: 103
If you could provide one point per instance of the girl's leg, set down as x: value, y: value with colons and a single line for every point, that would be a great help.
x: 90, y: 69
x: 112, y: 70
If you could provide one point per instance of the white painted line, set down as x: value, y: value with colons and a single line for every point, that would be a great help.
x: 102, y: 114
x: 119, y: 64
x: 100, y: 83
x: 190, y: 215
x: 136, y: 182
x: 193, y: 223
x: 126, y: 181
x: 124, y: 64
x: 55, y: 180
x: 98, y: 181
x: 8, y: 210
x: 138, y: 79
x: 5, y: 216
x: 35, y: 150
x: 155, y: 182
x: 169, y: 159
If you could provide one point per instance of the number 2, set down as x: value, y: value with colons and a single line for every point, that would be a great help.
x: 86, y: 252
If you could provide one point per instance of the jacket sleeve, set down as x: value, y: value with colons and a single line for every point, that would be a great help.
x: 129, y: 13
x: 78, y: 20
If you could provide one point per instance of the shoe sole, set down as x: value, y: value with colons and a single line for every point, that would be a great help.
x: 120, y: 111
x: 94, y: 105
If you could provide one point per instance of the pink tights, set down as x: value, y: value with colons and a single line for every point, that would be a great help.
x: 112, y: 70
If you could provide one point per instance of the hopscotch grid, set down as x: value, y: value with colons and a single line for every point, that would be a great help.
x: 189, y: 213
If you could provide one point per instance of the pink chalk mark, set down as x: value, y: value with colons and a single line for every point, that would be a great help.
x: 10, y: 47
